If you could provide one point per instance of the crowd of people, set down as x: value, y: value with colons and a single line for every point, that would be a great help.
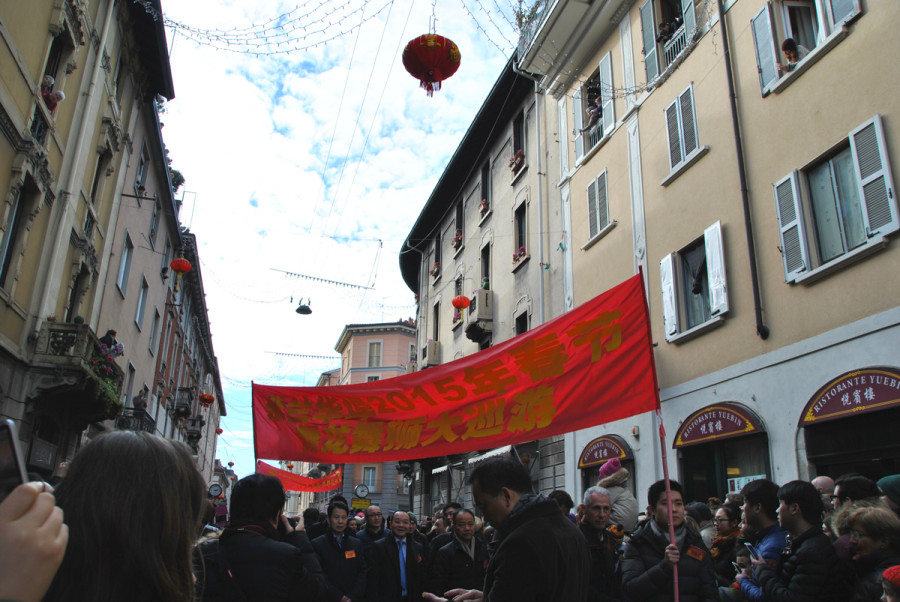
x: 126, y: 523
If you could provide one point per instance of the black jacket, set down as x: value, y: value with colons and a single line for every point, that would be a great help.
x: 539, y: 556
x: 386, y: 570
x: 602, y: 545
x: 452, y: 567
x: 809, y: 569
x: 868, y: 571
x: 262, y: 567
x: 724, y: 552
x: 646, y: 576
x: 344, y: 567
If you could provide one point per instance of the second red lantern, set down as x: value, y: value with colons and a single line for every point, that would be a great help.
x: 461, y: 302
x: 431, y: 59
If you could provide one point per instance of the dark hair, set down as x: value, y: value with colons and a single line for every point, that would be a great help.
x: 658, y: 488
x: 339, y: 498
x: 257, y: 497
x: 732, y: 511
x: 789, y: 44
x: 699, y: 511
x: 338, y: 506
x: 311, y: 516
x: 462, y: 511
x: 133, y: 503
x: 806, y: 496
x: 763, y: 492
x: 494, y: 474
x: 449, y: 505
x: 856, y: 487
x: 562, y: 498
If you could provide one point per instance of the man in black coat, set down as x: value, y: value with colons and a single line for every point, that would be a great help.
x: 809, y: 568
x: 462, y: 563
x: 342, y: 557
x: 647, y: 568
x: 255, y: 558
x: 539, y: 553
x: 596, y: 509
x: 398, y: 564
x: 374, y: 529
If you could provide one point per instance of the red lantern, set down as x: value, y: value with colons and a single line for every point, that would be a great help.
x: 431, y: 59
x: 180, y: 266
x: 206, y: 399
x: 290, y: 466
x: 219, y: 431
x: 231, y: 465
x: 461, y: 302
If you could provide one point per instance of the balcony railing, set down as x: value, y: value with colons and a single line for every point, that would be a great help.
x: 75, y: 346
x: 39, y: 126
x: 675, y: 46
x: 135, y: 420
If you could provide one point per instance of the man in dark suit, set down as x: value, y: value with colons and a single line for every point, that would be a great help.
x: 398, y: 564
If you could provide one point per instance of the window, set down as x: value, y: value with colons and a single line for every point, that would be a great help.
x: 694, y: 287
x: 810, y: 23
x: 60, y: 50
x: 129, y: 386
x: 125, y: 264
x: 459, y: 237
x: 563, y: 128
x: 103, y: 160
x: 89, y: 222
x: 486, y: 266
x: 436, y: 322
x: 154, y: 332
x: 667, y: 26
x: 485, y: 187
x: 436, y: 268
x: 164, y: 268
x: 154, y: 221
x: 142, y: 168
x: 374, y: 354
x: 522, y: 323
x: 12, y: 237
x: 518, y: 133
x: 372, y: 379
x: 598, y: 208
x: 521, y: 227
x: 120, y: 78
x: 369, y: 477
x: 681, y: 128
x: 838, y: 207
x: 594, y: 118
x: 142, y: 303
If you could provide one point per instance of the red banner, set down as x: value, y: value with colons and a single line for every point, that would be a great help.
x: 295, y: 482
x: 589, y: 366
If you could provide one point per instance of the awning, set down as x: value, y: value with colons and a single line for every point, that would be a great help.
x: 490, y: 454
x: 439, y: 469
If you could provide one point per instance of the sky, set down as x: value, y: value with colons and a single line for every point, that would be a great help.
x: 311, y: 156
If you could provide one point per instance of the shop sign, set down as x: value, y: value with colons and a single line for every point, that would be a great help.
x: 359, y: 503
x: 720, y: 421
x: 736, y: 484
x: 602, y: 449
x: 856, y: 392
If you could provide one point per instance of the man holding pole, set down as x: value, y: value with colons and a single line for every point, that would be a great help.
x: 652, y: 562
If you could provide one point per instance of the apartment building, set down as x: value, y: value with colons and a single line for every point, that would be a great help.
x: 756, y: 196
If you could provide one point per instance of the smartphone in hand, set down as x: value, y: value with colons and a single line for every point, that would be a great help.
x: 12, y: 464
x: 754, y: 552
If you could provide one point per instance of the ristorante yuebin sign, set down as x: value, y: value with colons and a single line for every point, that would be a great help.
x: 589, y: 366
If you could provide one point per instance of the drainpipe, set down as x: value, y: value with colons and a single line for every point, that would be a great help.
x: 761, y: 329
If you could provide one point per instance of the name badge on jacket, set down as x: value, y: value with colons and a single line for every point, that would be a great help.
x: 350, y: 554
x: 696, y: 553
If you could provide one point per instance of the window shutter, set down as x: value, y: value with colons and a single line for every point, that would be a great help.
x: 563, y: 137
x: 593, y: 226
x: 670, y: 309
x: 606, y: 93
x: 672, y: 130
x: 715, y: 269
x: 602, y: 203
x: 578, y: 114
x: 873, y: 174
x: 688, y: 123
x: 648, y: 33
x: 690, y: 19
x: 763, y: 25
x: 841, y: 10
x: 790, y: 223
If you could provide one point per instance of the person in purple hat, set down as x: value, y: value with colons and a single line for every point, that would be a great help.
x: 614, y: 478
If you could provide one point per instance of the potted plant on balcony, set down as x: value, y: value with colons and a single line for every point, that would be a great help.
x: 457, y: 316
x: 516, y: 161
x: 435, y: 269
x: 519, y: 254
x: 456, y: 243
x: 483, y: 206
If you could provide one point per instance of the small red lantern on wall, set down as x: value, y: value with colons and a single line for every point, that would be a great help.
x: 219, y: 431
x: 461, y: 302
x: 431, y: 59
x: 206, y: 399
x: 180, y: 266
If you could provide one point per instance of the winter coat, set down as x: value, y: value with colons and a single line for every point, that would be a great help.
x: 868, y: 572
x: 769, y: 543
x: 386, y: 570
x: 604, y: 583
x: 624, y: 506
x: 647, y: 577
x: 368, y: 539
x: 452, y: 567
x: 540, y: 556
x: 344, y: 566
x: 809, y: 570
x: 724, y: 552
x: 262, y: 567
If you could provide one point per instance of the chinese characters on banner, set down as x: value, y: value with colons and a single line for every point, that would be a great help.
x: 295, y: 482
x: 589, y: 366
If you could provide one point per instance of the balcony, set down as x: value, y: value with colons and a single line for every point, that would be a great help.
x: 39, y: 126
x: 674, y: 46
x: 135, y: 420
x: 78, y: 382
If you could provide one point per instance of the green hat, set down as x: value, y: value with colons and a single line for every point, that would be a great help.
x: 891, y: 487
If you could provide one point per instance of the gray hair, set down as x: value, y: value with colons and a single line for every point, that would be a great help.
x: 595, y: 490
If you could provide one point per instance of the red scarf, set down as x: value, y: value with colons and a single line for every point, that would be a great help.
x: 723, y: 540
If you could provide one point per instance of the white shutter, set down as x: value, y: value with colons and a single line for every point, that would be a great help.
x: 578, y: 114
x: 648, y: 33
x: 842, y: 10
x: 627, y: 61
x: 606, y: 94
x: 669, y: 303
x: 763, y: 25
x: 715, y: 269
x: 593, y: 227
x: 690, y: 19
x: 873, y: 175
x: 790, y: 223
x: 563, y: 138
x: 688, y: 123
x: 602, y: 204
x: 674, y: 135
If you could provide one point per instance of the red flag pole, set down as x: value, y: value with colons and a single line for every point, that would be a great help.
x: 662, y: 430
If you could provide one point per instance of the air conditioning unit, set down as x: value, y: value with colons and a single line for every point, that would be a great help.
x: 432, y: 353
x: 483, y: 308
